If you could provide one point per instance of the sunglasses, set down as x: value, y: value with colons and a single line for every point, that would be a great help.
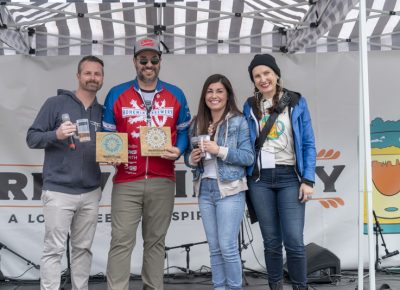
x: 154, y: 60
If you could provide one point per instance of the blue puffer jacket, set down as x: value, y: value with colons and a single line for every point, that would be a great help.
x: 303, y: 135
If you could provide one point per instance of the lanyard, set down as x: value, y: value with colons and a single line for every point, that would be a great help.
x: 148, y: 107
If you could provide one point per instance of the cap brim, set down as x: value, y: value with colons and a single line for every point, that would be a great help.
x: 148, y: 49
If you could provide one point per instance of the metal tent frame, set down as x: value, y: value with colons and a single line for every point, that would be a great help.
x: 226, y: 26
x: 195, y: 27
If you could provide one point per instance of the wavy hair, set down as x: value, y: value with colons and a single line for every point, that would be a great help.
x: 275, y: 99
x: 203, y: 117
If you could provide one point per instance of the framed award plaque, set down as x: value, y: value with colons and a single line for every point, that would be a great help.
x: 111, y: 147
x: 154, y: 140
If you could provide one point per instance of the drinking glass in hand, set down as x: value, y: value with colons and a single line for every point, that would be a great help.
x: 83, y: 130
x: 204, y: 154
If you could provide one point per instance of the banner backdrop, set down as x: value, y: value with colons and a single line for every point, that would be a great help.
x: 329, y: 81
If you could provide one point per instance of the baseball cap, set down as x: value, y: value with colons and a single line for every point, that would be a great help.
x: 146, y: 44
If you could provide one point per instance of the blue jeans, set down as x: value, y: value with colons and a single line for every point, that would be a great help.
x: 281, y: 219
x: 221, y: 220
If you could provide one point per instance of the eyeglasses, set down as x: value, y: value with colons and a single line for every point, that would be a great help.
x: 154, y: 60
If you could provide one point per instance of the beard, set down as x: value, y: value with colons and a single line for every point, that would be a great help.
x: 141, y: 74
x: 93, y: 86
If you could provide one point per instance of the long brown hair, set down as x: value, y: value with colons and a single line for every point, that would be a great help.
x: 203, y: 117
x: 275, y: 99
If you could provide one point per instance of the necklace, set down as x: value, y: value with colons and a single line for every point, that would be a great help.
x: 211, y: 128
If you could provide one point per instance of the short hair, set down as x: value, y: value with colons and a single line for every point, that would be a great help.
x: 91, y: 58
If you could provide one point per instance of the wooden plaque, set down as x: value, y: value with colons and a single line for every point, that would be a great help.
x: 111, y: 147
x: 154, y: 140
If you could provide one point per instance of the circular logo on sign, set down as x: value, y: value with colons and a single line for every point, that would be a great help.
x: 156, y: 138
x: 112, y: 143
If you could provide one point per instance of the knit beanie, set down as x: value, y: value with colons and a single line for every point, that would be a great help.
x: 264, y: 59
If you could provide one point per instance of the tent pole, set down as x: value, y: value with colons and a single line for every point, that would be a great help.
x: 364, y: 90
x: 361, y: 179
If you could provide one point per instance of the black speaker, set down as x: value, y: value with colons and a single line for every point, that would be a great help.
x: 322, y: 265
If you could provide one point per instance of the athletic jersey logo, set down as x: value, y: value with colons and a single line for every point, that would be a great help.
x: 138, y: 114
x: 160, y: 113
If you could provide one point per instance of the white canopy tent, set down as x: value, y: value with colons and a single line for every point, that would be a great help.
x: 213, y: 27
x: 194, y: 27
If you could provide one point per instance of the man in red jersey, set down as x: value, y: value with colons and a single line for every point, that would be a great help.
x: 144, y: 188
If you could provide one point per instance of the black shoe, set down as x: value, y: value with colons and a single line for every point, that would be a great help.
x: 276, y: 286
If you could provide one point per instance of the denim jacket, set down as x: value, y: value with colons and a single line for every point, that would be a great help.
x: 232, y: 135
x: 303, y: 136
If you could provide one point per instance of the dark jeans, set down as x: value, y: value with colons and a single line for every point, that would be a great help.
x: 281, y: 219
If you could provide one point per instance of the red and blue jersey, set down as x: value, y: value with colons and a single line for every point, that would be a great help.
x: 125, y: 111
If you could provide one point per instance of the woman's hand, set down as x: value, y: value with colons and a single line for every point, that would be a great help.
x: 211, y: 147
x: 305, y: 192
x: 195, y: 156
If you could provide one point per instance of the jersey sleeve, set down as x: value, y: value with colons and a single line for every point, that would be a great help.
x: 183, y: 123
x: 108, y: 112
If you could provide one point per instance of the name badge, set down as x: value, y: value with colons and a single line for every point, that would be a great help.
x: 267, y: 159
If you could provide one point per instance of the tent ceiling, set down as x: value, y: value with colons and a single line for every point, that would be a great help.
x: 194, y: 27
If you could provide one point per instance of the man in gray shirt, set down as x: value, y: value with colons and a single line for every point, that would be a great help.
x: 71, y: 175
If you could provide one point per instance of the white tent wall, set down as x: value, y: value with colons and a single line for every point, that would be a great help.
x: 329, y: 82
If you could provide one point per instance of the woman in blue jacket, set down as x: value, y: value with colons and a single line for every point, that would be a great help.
x: 219, y: 169
x: 282, y: 177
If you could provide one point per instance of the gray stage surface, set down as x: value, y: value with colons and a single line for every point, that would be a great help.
x: 348, y: 280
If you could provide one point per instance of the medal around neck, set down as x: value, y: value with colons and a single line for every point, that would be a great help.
x: 154, y: 140
x: 111, y: 147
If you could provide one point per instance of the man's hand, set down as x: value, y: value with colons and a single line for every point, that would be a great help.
x: 171, y: 153
x: 65, y: 130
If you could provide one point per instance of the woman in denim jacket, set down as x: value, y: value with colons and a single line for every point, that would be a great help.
x: 219, y: 169
x: 282, y: 178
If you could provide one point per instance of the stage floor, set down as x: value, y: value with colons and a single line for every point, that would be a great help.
x: 348, y: 281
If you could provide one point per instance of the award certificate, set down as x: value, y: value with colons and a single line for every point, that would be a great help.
x: 154, y: 140
x: 111, y: 147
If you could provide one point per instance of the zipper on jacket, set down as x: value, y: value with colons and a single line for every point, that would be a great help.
x: 258, y: 156
x: 147, y: 168
x: 216, y: 158
x: 148, y: 122
x: 86, y: 113
x: 290, y: 109
x: 83, y: 162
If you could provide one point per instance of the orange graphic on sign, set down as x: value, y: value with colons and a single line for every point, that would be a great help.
x: 383, y: 174
x: 329, y: 202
